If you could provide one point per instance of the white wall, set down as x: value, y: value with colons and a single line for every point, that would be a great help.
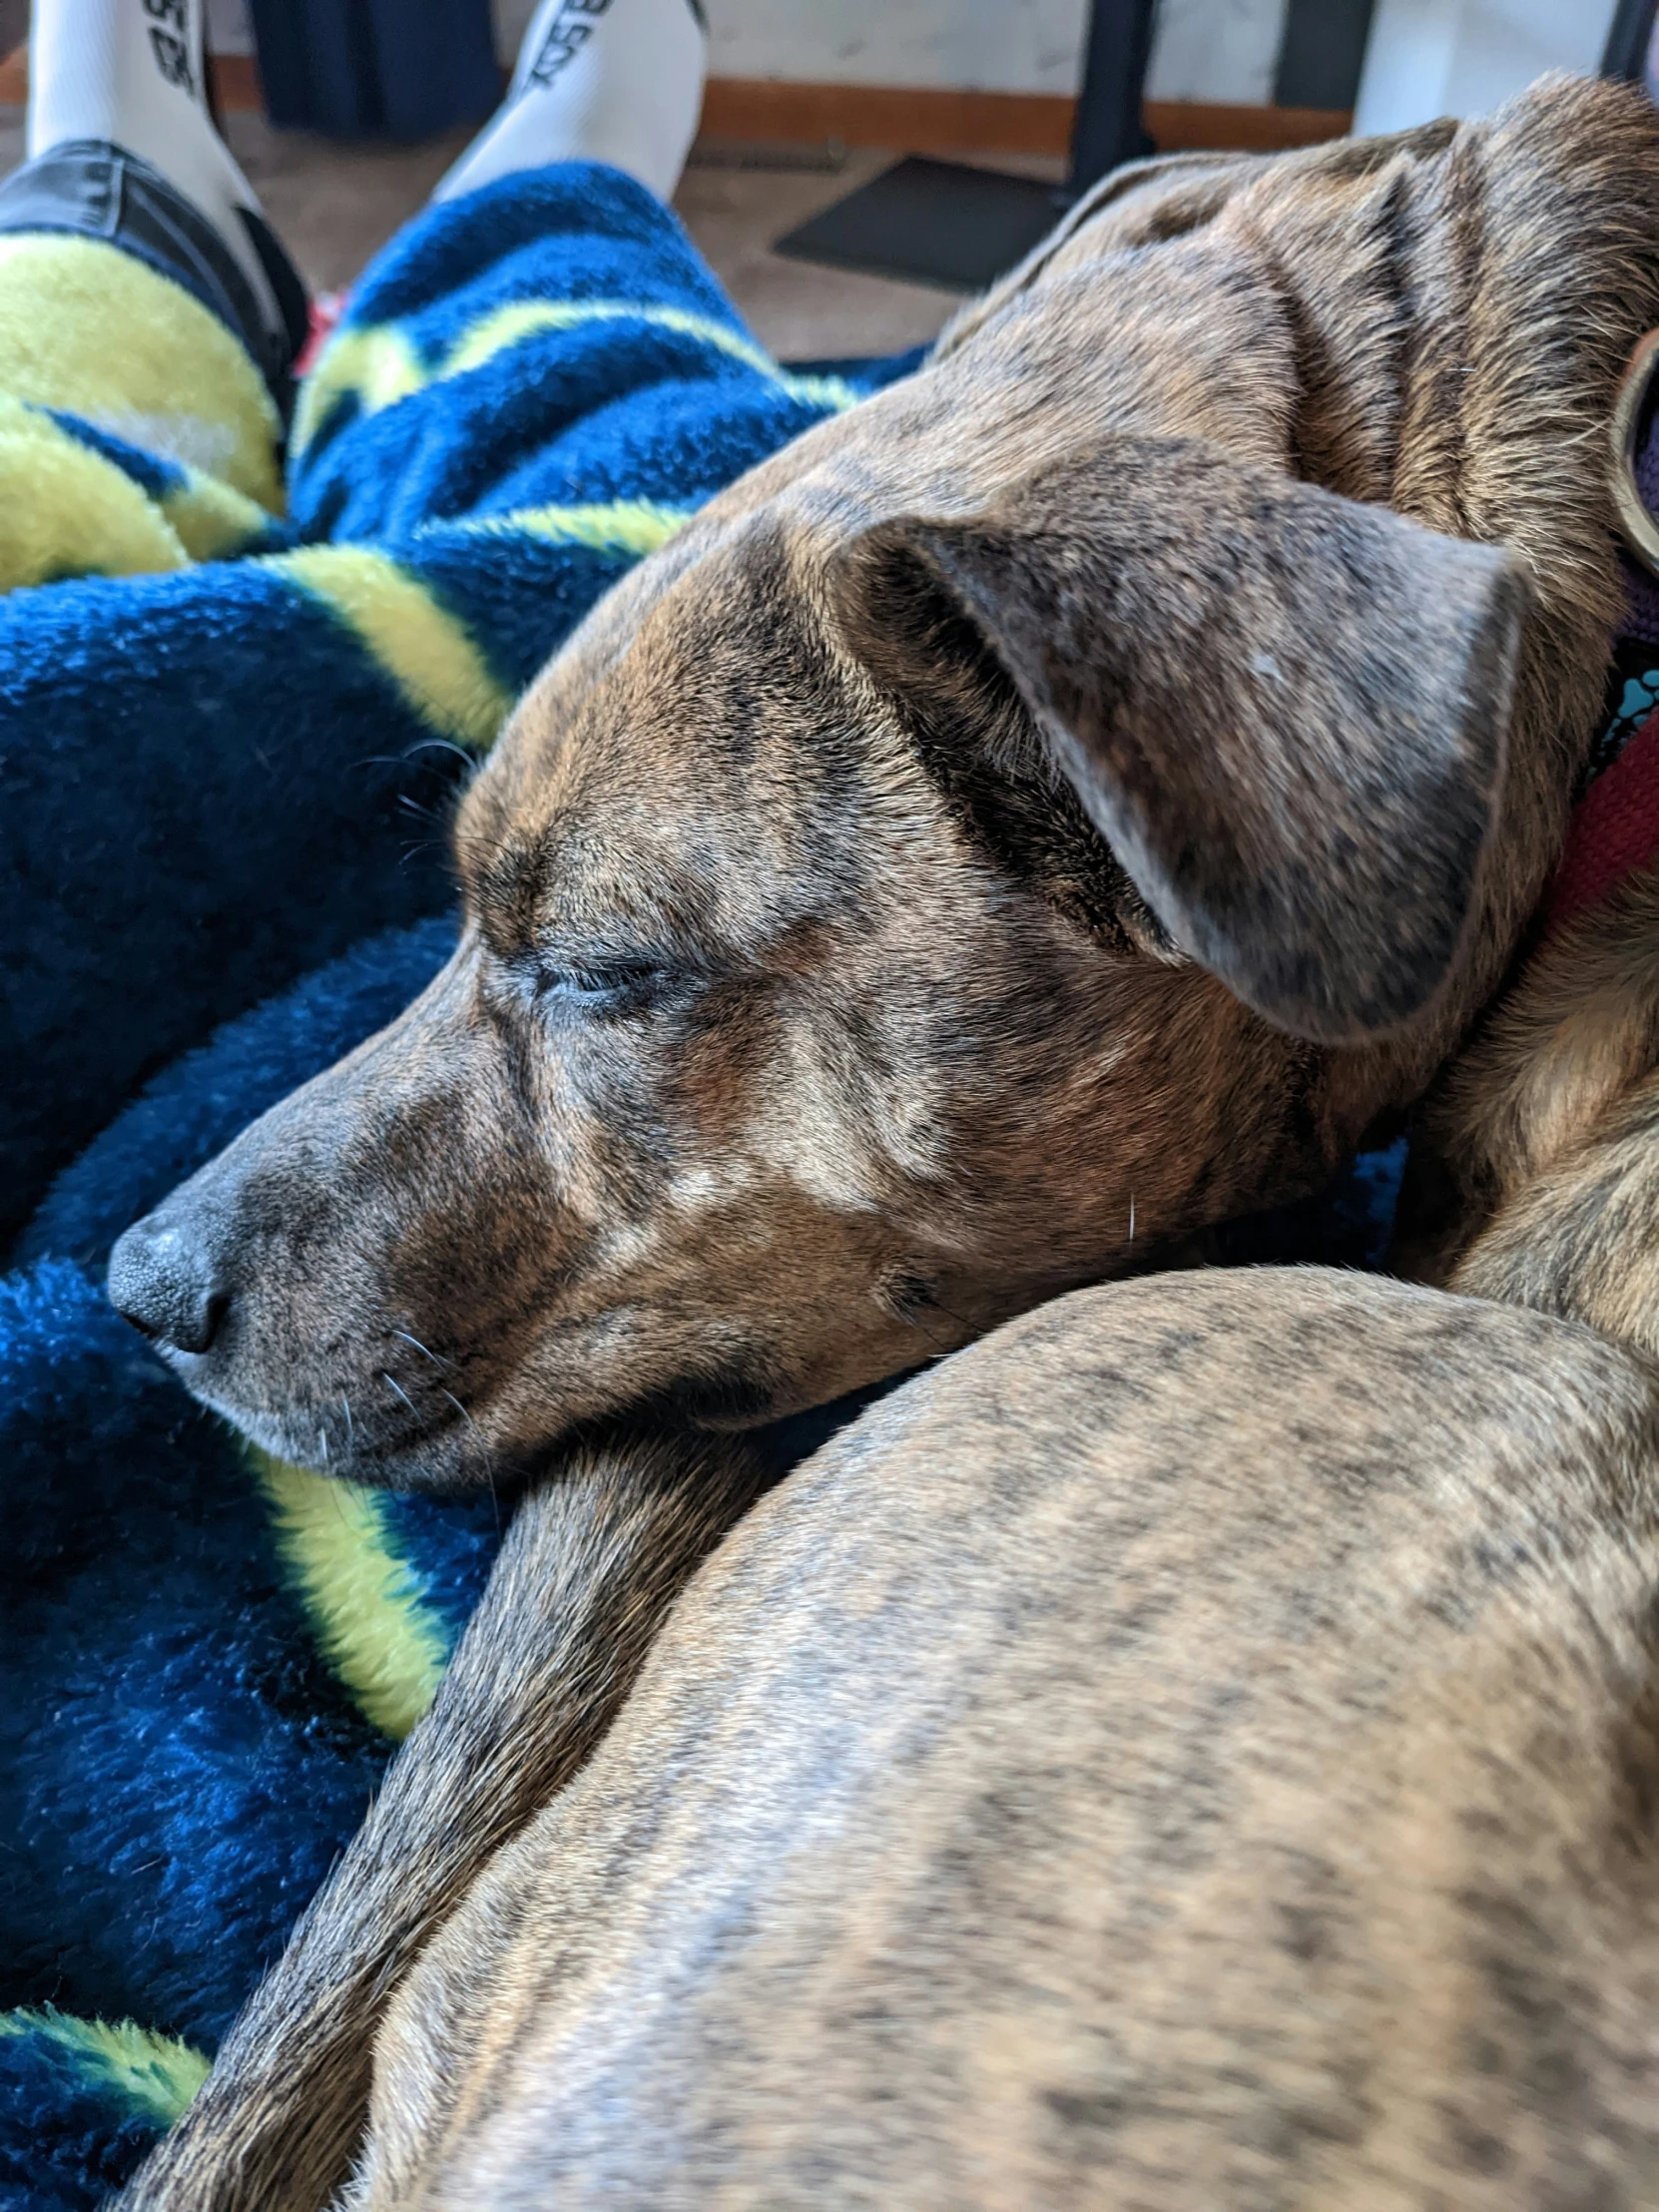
x: 228, y: 29
x: 1224, y: 50
x: 1462, y: 57
x: 1202, y: 49
x: 1008, y: 45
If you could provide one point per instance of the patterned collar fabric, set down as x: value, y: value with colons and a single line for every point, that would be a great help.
x: 1614, y: 829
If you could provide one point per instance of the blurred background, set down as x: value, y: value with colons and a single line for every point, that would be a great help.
x: 856, y: 133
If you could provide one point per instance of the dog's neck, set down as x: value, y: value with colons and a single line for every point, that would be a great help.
x: 1550, y: 1121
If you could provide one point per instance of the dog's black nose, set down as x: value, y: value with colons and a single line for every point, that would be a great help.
x: 162, y: 1281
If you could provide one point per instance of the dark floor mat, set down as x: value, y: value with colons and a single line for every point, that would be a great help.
x: 931, y: 223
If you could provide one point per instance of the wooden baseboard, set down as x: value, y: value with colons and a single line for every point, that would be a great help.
x: 905, y: 119
x: 919, y: 120
x: 1201, y: 125
x: 929, y: 120
x: 235, y: 79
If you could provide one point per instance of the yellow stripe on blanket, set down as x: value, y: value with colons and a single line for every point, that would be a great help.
x: 492, y: 333
x: 213, y: 520
x: 378, y: 364
x: 92, y: 330
x: 157, y: 2073
x: 426, y: 651
x: 375, y: 363
x: 67, y: 511
x: 366, y: 1607
x: 608, y: 526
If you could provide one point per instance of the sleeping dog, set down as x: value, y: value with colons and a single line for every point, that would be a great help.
x: 1059, y: 804
x: 1195, y: 1747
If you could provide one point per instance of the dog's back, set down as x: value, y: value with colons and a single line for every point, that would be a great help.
x: 1194, y: 1749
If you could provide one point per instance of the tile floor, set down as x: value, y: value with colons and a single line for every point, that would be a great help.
x: 335, y: 203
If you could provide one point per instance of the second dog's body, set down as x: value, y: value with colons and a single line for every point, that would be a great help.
x: 1196, y: 1749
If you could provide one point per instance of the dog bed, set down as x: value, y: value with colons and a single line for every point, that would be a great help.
x: 208, y: 1657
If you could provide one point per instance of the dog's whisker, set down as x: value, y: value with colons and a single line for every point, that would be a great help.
x: 937, y: 1343
x: 393, y: 1384
x: 961, y: 1320
x: 465, y: 1415
x: 476, y: 844
x: 444, y: 744
x: 351, y: 1425
x: 478, y: 1434
x: 423, y: 1351
x: 910, y: 1315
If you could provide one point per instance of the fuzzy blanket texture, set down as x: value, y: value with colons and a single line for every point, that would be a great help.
x: 222, y: 857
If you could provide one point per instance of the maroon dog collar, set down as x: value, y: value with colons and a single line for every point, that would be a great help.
x: 1614, y: 828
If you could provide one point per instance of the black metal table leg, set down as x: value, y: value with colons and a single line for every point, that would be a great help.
x: 1625, y: 53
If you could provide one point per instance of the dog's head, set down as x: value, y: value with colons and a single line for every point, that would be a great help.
x: 874, y: 924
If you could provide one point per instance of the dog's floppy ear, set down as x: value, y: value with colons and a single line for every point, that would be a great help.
x: 1285, y: 711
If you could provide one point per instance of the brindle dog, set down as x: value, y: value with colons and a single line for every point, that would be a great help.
x: 1067, y: 800
x: 1030, y: 817
x: 1199, y: 1747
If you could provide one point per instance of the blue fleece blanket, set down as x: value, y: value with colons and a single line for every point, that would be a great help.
x: 216, y: 783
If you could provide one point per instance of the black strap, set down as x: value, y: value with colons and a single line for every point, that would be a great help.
x: 91, y: 189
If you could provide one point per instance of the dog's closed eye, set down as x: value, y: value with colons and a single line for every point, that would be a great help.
x: 601, y: 986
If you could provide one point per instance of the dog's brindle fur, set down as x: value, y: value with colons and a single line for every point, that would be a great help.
x: 1194, y: 1749
x: 1199, y: 1747
x: 587, y: 1570
x: 1541, y: 1133
x: 805, y: 1021
x: 1411, y: 390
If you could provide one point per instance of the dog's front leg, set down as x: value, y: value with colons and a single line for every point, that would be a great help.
x: 592, y: 1560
